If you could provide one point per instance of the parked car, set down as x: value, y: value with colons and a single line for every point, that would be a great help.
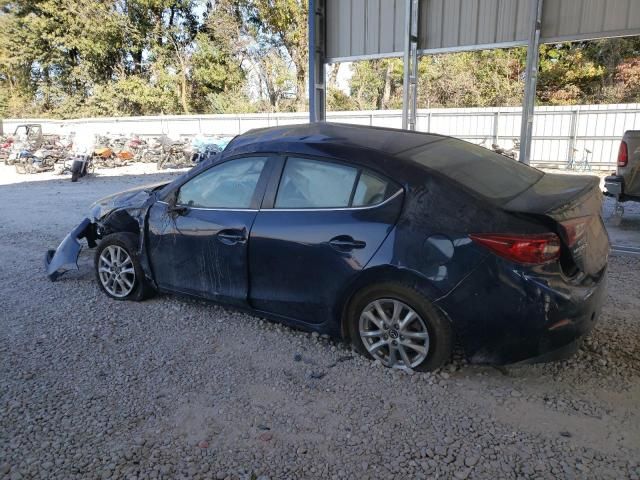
x: 400, y: 242
x: 625, y: 184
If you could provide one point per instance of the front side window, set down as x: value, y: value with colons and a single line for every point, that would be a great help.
x: 228, y: 185
x: 315, y: 184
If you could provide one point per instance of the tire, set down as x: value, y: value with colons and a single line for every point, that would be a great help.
x: 439, y: 331
x: 76, y: 170
x: 140, y: 287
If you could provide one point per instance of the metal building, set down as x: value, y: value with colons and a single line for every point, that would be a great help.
x: 349, y: 30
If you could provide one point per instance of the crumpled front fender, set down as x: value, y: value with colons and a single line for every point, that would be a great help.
x: 65, y: 257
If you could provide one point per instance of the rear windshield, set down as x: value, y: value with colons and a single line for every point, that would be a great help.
x: 493, y: 176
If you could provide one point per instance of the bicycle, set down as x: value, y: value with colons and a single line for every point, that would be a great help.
x: 583, y: 161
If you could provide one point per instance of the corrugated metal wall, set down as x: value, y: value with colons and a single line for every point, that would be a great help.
x: 584, y: 19
x: 457, y: 23
x: 361, y: 28
x: 365, y: 27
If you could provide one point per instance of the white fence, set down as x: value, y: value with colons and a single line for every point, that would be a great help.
x: 558, y: 132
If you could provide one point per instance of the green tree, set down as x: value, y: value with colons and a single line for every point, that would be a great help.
x: 283, y: 25
x: 377, y: 84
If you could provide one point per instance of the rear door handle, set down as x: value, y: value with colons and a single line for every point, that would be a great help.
x: 231, y: 236
x: 346, y: 243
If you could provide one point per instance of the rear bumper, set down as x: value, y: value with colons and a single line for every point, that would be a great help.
x: 614, y: 185
x: 503, y: 315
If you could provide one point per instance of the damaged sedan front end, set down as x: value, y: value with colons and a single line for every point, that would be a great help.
x: 122, y: 212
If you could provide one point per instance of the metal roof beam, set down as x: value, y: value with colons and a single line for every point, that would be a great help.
x: 531, y: 81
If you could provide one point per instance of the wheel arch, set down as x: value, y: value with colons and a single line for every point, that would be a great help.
x: 120, y: 221
x: 384, y: 274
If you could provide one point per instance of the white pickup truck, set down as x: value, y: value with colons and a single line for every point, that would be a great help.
x: 625, y: 184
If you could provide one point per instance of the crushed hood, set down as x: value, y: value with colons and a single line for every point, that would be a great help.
x: 132, y: 198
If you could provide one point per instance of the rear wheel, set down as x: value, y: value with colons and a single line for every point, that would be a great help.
x: 118, y: 268
x: 398, y: 326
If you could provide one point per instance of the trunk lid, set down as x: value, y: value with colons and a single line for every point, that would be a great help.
x: 574, y: 204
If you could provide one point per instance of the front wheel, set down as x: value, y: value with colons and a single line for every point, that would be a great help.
x: 118, y: 268
x: 399, y: 327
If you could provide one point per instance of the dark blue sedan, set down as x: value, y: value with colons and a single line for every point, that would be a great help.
x: 403, y: 243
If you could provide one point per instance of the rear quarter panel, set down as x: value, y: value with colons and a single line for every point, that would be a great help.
x: 431, y: 237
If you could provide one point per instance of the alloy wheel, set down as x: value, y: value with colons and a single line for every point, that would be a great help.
x: 394, y: 333
x: 116, y: 271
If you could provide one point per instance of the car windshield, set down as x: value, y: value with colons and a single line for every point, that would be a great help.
x: 491, y: 175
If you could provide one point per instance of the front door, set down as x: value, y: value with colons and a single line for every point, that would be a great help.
x: 197, y: 241
x: 327, y: 221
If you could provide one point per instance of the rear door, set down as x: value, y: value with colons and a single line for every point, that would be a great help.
x: 318, y: 227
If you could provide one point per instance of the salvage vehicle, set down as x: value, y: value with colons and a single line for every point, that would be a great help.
x: 400, y: 242
x: 26, y: 138
x: 625, y: 184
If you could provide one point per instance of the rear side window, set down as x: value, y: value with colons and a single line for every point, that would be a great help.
x: 370, y: 190
x: 309, y: 183
x: 313, y: 184
x: 493, y: 176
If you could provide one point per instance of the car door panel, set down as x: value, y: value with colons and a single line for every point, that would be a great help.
x: 194, y: 253
x: 301, y: 260
x: 201, y: 250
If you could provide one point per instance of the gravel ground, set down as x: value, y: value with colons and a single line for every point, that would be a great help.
x: 172, y: 388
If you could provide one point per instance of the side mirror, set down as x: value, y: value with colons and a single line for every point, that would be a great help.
x: 173, y: 207
x: 178, y: 209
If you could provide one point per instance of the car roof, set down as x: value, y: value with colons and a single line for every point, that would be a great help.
x: 320, y: 135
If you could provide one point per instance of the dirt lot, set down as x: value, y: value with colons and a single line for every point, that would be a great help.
x: 172, y: 388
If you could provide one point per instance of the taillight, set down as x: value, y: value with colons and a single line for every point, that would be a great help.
x: 525, y: 249
x: 623, y: 154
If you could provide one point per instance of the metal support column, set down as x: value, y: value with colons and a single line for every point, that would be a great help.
x: 410, y: 97
x: 317, y: 67
x: 528, y: 104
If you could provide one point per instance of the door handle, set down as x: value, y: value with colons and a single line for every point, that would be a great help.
x: 232, y: 236
x: 346, y: 243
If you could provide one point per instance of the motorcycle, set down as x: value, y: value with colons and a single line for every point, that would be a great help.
x: 151, y: 151
x: 42, y: 160
x: 205, y: 152
x: 207, y: 147
x: 174, y: 155
x: 82, y: 158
